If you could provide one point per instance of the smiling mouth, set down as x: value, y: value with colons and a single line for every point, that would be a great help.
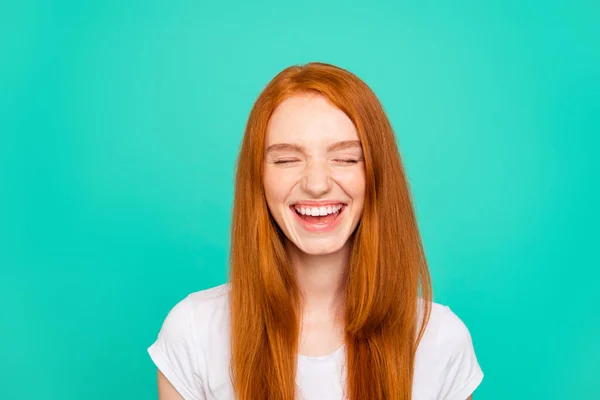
x: 320, y: 216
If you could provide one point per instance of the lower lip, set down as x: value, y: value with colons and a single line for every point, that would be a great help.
x: 320, y: 228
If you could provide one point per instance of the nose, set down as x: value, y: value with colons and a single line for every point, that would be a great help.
x: 316, y: 180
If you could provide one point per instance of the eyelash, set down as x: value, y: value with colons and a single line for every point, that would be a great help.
x: 339, y: 160
x: 283, y: 161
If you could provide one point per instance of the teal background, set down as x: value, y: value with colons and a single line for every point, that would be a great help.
x: 120, y: 124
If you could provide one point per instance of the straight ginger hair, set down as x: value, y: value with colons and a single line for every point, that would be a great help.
x: 387, y: 277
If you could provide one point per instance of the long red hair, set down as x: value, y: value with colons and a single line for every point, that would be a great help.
x: 386, y: 276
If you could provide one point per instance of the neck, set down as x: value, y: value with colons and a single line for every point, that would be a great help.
x: 321, y: 279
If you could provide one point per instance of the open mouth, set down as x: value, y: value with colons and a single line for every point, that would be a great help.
x: 319, y: 218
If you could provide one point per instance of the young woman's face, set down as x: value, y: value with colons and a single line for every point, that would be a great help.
x: 314, y: 178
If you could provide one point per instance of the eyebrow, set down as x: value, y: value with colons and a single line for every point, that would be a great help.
x: 344, y: 144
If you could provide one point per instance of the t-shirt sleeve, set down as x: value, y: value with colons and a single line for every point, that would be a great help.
x: 174, y: 352
x: 462, y: 371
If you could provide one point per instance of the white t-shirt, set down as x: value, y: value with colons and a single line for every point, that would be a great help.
x: 192, y: 351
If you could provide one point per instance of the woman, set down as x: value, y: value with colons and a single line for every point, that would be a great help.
x: 330, y: 294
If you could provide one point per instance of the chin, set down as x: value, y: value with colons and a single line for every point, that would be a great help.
x: 320, y: 249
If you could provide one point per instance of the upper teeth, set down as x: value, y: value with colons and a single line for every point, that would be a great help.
x: 318, y: 210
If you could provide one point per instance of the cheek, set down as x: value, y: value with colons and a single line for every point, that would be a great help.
x: 353, y: 183
x: 277, y: 185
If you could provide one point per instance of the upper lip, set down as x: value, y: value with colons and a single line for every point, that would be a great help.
x: 316, y: 203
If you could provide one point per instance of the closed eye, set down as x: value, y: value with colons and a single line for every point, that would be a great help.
x: 287, y: 161
x: 347, y: 161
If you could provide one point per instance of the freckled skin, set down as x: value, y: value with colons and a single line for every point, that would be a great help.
x: 310, y: 122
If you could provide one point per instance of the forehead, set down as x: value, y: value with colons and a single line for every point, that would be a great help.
x: 309, y: 119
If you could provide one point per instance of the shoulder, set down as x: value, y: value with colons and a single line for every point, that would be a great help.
x: 211, y: 299
x: 206, y: 312
x: 197, y: 309
x: 191, y: 338
x: 445, y: 328
x: 445, y: 363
